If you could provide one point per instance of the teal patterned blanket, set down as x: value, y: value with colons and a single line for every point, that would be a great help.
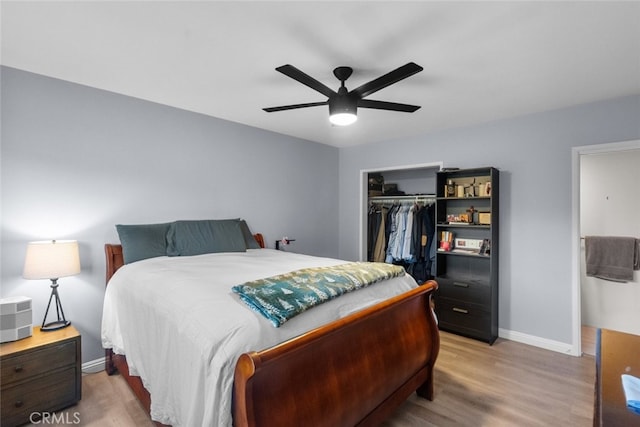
x: 279, y: 298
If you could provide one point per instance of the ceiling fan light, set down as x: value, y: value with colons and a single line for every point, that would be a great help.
x: 343, y: 119
x: 343, y: 109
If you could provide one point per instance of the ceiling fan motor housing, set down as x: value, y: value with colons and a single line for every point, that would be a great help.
x: 343, y: 103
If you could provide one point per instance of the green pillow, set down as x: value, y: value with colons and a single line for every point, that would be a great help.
x: 249, y: 240
x: 142, y: 241
x: 197, y: 237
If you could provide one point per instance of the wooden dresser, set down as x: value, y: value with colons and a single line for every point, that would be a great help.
x: 617, y: 353
x: 40, y: 374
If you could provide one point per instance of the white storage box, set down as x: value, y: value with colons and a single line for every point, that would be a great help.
x: 16, y: 318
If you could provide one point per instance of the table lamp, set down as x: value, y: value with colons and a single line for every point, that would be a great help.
x: 51, y: 260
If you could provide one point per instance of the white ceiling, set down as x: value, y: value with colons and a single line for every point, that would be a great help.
x: 482, y: 61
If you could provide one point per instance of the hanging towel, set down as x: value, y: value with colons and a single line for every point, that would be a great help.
x: 612, y: 258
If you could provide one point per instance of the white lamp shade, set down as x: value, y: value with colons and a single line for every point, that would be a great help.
x: 51, y: 259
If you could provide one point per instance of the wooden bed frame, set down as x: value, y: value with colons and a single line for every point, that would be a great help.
x: 353, y: 371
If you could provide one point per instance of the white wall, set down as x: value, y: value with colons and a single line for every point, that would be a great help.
x: 75, y: 161
x: 609, y: 206
x: 533, y: 154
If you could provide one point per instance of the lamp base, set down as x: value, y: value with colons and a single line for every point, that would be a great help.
x: 54, y: 326
x: 61, y: 322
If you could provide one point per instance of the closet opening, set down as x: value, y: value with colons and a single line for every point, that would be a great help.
x: 397, y: 220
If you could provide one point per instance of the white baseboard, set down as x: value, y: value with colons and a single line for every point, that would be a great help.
x: 535, y: 341
x: 93, y: 366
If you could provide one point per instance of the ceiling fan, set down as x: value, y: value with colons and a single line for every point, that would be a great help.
x: 343, y: 104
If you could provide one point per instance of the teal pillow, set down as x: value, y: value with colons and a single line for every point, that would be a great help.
x: 142, y: 241
x: 197, y: 237
x: 249, y: 240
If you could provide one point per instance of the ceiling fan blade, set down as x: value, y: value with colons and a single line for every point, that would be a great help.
x: 383, y: 105
x: 305, y: 79
x: 390, y: 78
x: 294, y: 106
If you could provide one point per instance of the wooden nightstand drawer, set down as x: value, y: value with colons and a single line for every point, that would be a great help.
x: 37, y: 362
x: 46, y: 393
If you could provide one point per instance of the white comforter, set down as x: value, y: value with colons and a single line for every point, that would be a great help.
x: 182, y: 329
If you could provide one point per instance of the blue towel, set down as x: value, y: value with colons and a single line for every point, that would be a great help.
x: 279, y: 298
x: 631, y: 386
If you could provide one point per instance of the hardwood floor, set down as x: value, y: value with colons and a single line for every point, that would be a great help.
x: 507, y: 384
x: 588, y: 335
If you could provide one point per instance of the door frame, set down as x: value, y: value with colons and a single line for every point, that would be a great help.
x: 576, y: 153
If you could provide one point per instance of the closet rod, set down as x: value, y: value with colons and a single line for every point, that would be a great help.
x: 405, y: 198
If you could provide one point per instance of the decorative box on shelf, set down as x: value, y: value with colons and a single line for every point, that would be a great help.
x: 484, y: 218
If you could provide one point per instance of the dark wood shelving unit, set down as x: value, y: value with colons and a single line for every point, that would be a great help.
x: 467, y: 298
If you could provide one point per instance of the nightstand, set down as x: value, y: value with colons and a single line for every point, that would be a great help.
x: 40, y: 374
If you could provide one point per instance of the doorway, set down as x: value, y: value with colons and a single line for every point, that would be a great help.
x: 578, y: 157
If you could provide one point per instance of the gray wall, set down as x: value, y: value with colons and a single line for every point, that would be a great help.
x: 533, y: 154
x: 76, y: 161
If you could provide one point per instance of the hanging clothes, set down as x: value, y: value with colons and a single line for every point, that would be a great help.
x: 373, y: 224
x: 380, y: 243
x: 396, y: 236
x: 423, y: 238
x: 403, y: 234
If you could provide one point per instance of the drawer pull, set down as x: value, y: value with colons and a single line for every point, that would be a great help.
x: 461, y: 285
x: 18, y: 403
x: 18, y: 368
x: 460, y: 310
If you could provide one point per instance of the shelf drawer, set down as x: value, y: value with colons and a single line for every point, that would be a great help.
x: 47, y: 359
x: 464, y: 318
x: 472, y: 291
x: 44, y: 394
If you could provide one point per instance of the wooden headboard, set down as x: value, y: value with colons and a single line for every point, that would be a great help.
x: 115, y: 259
